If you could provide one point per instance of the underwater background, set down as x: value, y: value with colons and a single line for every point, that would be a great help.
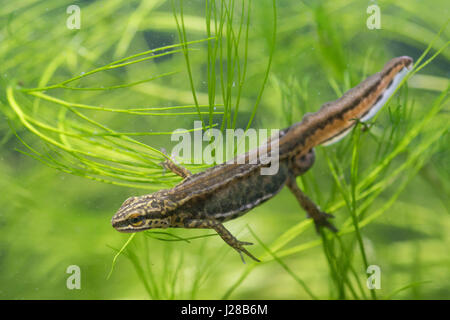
x: 72, y: 152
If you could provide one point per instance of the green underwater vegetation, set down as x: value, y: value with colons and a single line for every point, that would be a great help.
x: 86, y: 114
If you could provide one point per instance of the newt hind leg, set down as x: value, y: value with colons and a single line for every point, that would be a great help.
x: 298, y: 166
x: 223, y: 233
x: 320, y: 218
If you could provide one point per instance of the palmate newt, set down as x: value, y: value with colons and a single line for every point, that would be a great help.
x: 226, y: 191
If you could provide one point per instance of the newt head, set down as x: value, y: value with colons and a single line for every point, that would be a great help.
x: 142, y: 213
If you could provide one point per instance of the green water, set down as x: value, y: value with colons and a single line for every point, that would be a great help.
x: 268, y: 69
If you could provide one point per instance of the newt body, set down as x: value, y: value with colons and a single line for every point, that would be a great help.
x: 229, y: 190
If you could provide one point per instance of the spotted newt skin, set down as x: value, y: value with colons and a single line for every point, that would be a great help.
x: 208, y: 199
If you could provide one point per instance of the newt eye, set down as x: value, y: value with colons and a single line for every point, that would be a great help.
x: 136, y: 220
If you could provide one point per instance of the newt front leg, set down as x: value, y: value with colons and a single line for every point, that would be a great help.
x: 169, y: 164
x: 223, y: 233
x: 200, y: 223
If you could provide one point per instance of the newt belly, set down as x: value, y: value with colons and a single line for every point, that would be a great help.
x: 233, y: 199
